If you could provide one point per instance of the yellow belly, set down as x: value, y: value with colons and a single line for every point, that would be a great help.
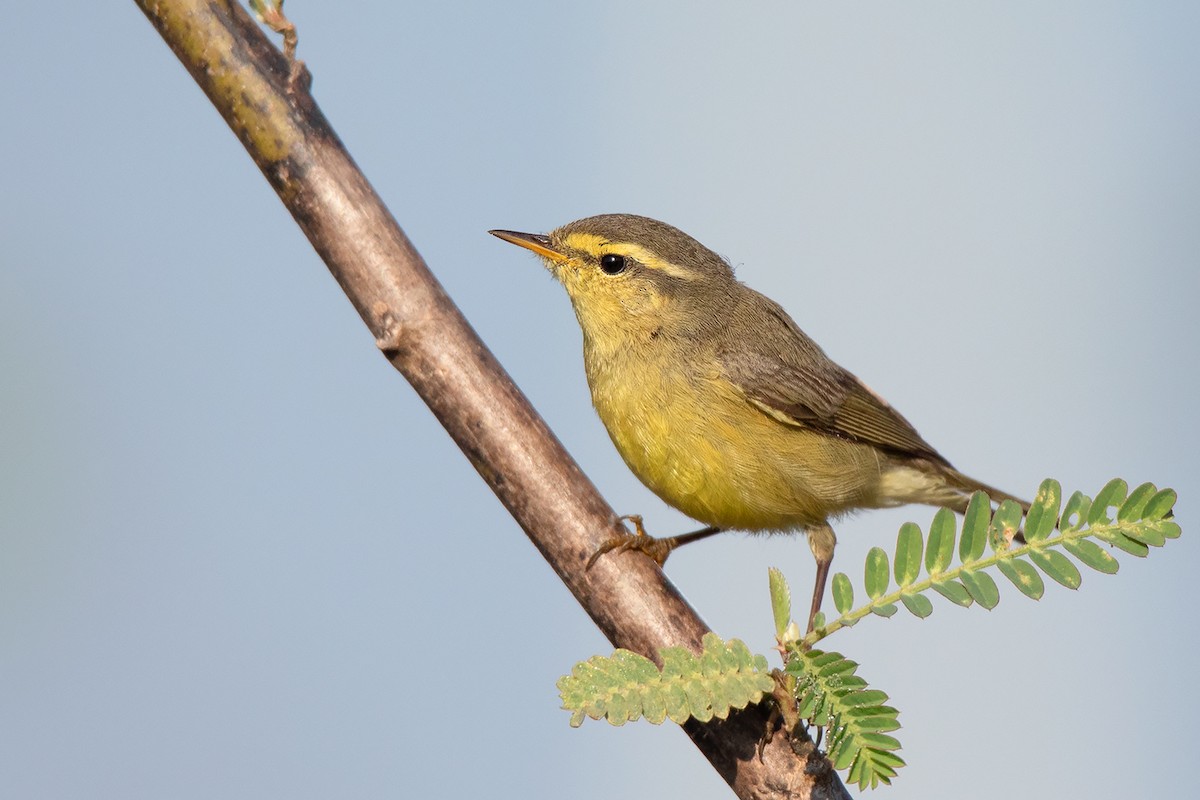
x: 701, y: 447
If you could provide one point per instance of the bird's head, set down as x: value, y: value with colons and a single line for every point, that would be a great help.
x: 632, y: 276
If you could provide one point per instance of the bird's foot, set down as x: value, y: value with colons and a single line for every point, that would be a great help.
x: 639, y: 540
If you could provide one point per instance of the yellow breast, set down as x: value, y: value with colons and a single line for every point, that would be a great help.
x: 699, y: 445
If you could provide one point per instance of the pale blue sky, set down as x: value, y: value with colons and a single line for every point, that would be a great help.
x: 239, y: 558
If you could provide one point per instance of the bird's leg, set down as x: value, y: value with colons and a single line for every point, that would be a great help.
x: 818, y: 592
x: 657, y: 549
x: 821, y: 540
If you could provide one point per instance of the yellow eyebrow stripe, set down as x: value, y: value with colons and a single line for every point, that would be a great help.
x: 598, y: 246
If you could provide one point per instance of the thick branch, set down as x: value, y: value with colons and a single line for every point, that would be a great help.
x: 428, y: 340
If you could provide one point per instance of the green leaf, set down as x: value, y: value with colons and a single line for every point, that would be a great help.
x: 1123, y: 542
x: 918, y: 604
x: 872, y: 767
x: 856, y: 717
x: 700, y: 699
x: 781, y: 601
x: 1170, y: 530
x: 982, y: 588
x: 593, y: 685
x: 908, y: 554
x: 885, y: 610
x: 879, y: 723
x: 1005, y: 524
x: 880, y: 741
x: 940, y: 552
x: 1160, y: 504
x: 882, y: 764
x: 830, y: 664
x: 1134, y: 505
x: 876, y: 718
x: 843, y: 755
x: 676, y: 699
x: 876, y: 577
x: 953, y: 591
x: 890, y: 758
x: 626, y: 686
x: 867, y: 697
x: 843, y: 593
x: 1023, y: 576
x: 1146, y: 534
x: 1043, y: 512
x: 1092, y: 555
x: 656, y: 705
x: 1075, y: 514
x: 975, y: 528
x: 1057, y: 566
x: 819, y: 620
x: 1112, y: 495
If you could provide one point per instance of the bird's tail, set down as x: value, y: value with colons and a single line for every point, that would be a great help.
x: 969, y: 486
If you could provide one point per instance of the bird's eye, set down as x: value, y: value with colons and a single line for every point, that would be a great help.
x: 612, y: 264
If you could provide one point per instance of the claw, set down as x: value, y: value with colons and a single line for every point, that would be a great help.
x: 636, y: 519
x: 639, y: 540
x: 606, y: 546
x: 642, y: 542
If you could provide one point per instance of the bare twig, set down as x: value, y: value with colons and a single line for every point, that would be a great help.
x: 427, y: 339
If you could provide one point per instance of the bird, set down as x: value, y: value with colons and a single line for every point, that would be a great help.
x: 721, y: 405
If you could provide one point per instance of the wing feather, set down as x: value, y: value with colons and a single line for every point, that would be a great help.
x: 787, y: 376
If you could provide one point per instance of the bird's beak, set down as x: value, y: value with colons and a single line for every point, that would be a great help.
x: 536, y: 242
